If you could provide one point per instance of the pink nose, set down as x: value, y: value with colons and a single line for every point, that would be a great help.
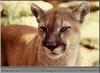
x: 50, y: 44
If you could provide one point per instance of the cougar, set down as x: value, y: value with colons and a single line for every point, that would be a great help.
x: 54, y: 43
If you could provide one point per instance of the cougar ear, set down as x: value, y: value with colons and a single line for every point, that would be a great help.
x: 81, y: 11
x: 37, y: 11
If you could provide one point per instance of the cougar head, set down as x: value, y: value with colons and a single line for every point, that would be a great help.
x: 59, y: 28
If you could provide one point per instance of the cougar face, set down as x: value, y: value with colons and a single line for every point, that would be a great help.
x: 59, y: 28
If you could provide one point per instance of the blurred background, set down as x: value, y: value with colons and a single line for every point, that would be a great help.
x: 18, y: 12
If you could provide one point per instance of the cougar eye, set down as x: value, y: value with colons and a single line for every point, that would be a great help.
x: 44, y: 29
x: 65, y: 28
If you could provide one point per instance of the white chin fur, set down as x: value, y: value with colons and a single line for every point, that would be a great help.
x: 58, y: 53
x: 52, y: 56
x: 58, y: 50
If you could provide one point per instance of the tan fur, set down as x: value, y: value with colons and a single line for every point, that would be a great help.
x: 25, y: 48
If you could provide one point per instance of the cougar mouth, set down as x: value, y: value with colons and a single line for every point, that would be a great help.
x: 56, y: 52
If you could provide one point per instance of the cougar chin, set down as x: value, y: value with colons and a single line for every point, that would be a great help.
x: 56, y: 53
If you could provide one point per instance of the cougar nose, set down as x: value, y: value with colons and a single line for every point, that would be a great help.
x: 51, y: 42
x: 51, y: 45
